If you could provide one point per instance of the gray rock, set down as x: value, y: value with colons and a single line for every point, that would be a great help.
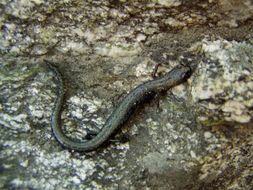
x: 200, y: 135
x: 224, y: 90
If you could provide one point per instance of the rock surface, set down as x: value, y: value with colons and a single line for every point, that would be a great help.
x: 199, y: 137
x: 225, y: 85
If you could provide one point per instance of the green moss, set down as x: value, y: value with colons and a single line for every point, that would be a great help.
x: 47, y: 35
x: 212, y: 122
x: 175, y: 107
x: 110, y: 78
x: 13, y: 72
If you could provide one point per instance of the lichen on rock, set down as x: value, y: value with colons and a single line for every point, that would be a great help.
x: 103, y: 49
x: 224, y: 91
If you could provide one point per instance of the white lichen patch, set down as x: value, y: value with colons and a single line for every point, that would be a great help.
x: 24, y: 91
x: 142, y: 69
x: 180, y: 91
x: 168, y: 3
x: 140, y: 37
x: 83, y: 111
x: 173, y: 144
x: 84, y: 106
x: 118, y: 49
x: 67, y: 170
x: 174, y: 23
x: 15, y: 122
x: 74, y: 47
x: 223, y: 83
x: 22, y: 8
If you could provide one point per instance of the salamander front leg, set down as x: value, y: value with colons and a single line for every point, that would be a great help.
x: 153, y: 74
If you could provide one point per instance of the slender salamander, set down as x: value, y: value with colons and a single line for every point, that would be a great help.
x: 121, y: 114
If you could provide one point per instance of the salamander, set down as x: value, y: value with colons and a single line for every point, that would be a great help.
x: 123, y: 111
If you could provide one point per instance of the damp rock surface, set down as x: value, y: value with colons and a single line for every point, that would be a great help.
x: 108, y: 28
x: 197, y: 135
x: 225, y: 87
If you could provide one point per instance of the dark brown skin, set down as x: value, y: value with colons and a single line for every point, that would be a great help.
x: 121, y: 114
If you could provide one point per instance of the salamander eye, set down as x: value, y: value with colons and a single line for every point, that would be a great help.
x: 187, y: 74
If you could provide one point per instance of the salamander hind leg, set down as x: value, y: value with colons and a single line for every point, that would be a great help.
x: 90, y: 134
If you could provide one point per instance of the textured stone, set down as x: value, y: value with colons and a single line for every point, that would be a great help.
x: 225, y: 84
x: 194, y: 136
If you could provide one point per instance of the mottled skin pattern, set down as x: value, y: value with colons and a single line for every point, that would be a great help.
x: 122, y: 113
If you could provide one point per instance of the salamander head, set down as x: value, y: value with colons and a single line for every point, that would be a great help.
x: 186, y: 72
